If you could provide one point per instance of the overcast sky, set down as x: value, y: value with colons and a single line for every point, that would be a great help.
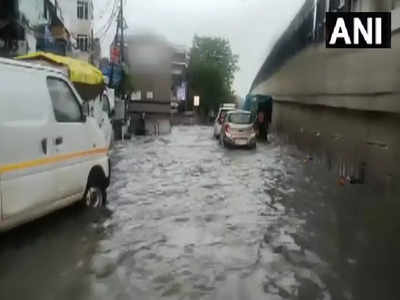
x: 252, y: 26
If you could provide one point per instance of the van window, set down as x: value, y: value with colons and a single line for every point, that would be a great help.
x: 28, y: 102
x: 66, y: 107
x: 106, y: 105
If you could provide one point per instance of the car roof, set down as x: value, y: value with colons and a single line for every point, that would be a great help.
x: 228, y: 105
x: 22, y: 64
x: 239, y: 111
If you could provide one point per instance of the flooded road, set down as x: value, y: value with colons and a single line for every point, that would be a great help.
x: 187, y: 219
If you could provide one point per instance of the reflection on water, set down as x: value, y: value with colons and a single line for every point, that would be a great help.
x: 359, y: 232
x: 50, y: 258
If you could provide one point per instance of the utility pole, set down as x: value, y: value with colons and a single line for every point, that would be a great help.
x: 119, y: 126
x: 121, y: 23
x: 120, y: 39
x: 112, y: 51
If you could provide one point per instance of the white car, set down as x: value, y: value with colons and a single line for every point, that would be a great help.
x: 238, y: 130
x: 51, y: 154
x: 223, y: 110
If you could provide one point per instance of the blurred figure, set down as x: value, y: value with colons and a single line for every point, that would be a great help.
x: 211, y: 116
x: 261, y: 126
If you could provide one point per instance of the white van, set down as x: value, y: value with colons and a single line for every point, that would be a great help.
x: 51, y: 154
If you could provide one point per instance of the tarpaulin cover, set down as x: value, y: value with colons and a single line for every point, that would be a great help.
x: 88, y: 80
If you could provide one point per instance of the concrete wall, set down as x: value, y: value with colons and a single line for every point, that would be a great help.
x: 32, y: 11
x: 149, y: 106
x: 374, y: 5
x: 159, y: 84
x: 77, y: 26
x: 154, y: 124
x: 396, y: 18
x: 158, y: 125
x: 361, y: 145
x: 71, y: 21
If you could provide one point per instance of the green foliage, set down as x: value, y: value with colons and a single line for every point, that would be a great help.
x: 212, y: 70
x: 127, y: 84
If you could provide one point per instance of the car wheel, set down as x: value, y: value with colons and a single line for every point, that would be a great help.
x: 95, y: 195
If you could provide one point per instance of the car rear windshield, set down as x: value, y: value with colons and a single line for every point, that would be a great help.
x: 239, y: 118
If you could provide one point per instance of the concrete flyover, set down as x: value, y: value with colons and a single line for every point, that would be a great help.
x: 353, y: 79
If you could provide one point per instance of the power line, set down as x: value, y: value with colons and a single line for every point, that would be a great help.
x: 110, y: 18
x: 104, y: 29
x: 106, y: 8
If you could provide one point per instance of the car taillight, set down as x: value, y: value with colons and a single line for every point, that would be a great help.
x: 227, y: 128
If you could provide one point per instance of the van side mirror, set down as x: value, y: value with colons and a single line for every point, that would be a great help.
x: 85, y: 111
x: 85, y: 108
x: 112, y: 114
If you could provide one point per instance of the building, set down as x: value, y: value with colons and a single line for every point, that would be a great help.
x: 78, y: 18
x: 29, y: 26
x: 179, y: 66
x: 159, y: 73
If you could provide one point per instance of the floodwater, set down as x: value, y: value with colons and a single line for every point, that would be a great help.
x: 187, y: 219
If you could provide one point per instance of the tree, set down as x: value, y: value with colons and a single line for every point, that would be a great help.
x: 127, y: 86
x: 211, y: 71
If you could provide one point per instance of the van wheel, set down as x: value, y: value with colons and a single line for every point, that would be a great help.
x: 95, y: 195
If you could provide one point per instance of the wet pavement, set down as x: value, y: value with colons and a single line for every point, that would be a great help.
x: 187, y: 219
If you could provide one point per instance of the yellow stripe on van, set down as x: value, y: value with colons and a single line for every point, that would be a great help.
x: 49, y: 160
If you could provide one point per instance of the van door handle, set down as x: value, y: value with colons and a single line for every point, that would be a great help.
x: 59, y: 140
x: 44, y: 145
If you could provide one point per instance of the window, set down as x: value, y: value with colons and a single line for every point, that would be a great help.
x: 239, y: 118
x: 83, y: 9
x: 83, y: 42
x: 149, y: 95
x: 136, y: 95
x: 66, y: 107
